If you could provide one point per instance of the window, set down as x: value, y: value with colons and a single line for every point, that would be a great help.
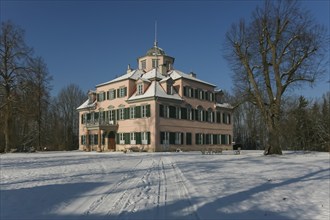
x: 178, y: 138
x: 145, y: 111
x: 121, y: 138
x: 96, y: 139
x: 132, y: 138
x: 210, y: 116
x: 140, y: 89
x: 183, y: 112
x: 199, y: 139
x: 143, y: 64
x: 83, y: 140
x: 121, y: 114
x: 188, y: 139
x: 112, y: 94
x: 122, y: 92
x: 218, y: 117
x: 132, y: 112
x: 145, y: 137
x: 173, y: 112
x: 101, y: 96
x: 164, y: 138
x: 154, y: 63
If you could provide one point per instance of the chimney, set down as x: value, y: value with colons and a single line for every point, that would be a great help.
x: 192, y: 74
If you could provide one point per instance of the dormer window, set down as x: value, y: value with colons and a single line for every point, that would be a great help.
x: 143, y: 64
x: 140, y: 89
x: 154, y: 63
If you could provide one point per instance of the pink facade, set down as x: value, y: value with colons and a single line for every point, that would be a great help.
x: 155, y: 108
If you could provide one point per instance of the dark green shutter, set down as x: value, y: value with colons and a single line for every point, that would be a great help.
x: 185, y: 91
x: 162, y: 137
x: 126, y: 113
x: 138, y: 112
x: 125, y: 91
x: 117, y: 113
x: 148, y: 110
x: 148, y: 134
x: 138, y: 138
x: 117, y: 138
x: 161, y: 111
x: 197, y: 139
x: 182, y: 138
x: 127, y: 138
x: 172, y: 138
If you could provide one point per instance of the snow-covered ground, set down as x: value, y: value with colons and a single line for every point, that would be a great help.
x: 89, y: 185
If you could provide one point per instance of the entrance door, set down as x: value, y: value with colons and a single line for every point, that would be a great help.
x: 111, y: 141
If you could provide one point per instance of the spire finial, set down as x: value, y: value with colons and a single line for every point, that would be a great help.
x: 155, y: 43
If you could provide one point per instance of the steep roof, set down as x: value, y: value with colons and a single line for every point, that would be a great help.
x: 176, y: 74
x: 154, y: 90
x: 87, y: 104
x: 134, y: 74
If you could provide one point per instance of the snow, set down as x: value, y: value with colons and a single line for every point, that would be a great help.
x: 185, y: 185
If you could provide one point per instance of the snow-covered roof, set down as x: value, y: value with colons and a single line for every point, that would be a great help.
x: 176, y: 74
x: 153, y: 74
x: 224, y: 105
x: 134, y: 74
x: 86, y: 105
x: 154, y: 90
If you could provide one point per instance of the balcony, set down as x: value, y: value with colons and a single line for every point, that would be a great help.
x: 102, y: 125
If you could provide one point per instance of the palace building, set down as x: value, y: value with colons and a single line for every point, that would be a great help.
x: 155, y: 108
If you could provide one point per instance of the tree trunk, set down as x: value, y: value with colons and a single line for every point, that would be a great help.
x: 273, y: 128
x: 8, y: 130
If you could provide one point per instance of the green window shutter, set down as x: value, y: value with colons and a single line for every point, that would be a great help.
x: 183, y: 113
x: 138, y: 112
x: 172, y: 112
x: 185, y: 91
x: 196, y: 94
x: 138, y: 138
x: 127, y: 138
x: 118, y: 94
x: 182, y: 138
x: 114, y: 93
x: 148, y: 110
x: 215, y: 139
x: 229, y: 118
x: 125, y: 91
x: 197, y: 139
x: 161, y: 111
x: 126, y: 113
x: 148, y: 134
x: 117, y: 138
x: 218, y: 117
x: 162, y: 137
x: 172, y: 138
x: 117, y: 114
x: 188, y: 139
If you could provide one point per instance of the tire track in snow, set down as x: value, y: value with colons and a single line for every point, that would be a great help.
x: 96, y: 203
x: 178, y: 181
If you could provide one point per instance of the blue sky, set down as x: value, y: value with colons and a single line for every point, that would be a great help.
x: 90, y: 42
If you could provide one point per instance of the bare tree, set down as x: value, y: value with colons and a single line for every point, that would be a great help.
x: 14, y: 55
x: 281, y: 47
x: 68, y: 101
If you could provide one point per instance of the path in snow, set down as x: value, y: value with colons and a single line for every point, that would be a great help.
x: 90, y: 185
x: 151, y: 184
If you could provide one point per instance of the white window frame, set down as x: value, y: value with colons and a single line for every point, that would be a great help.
x: 121, y: 114
x: 111, y: 94
x: 144, y: 137
x: 143, y: 111
x: 121, y: 138
x: 139, y: 89
x: 122, y: 92
x: 132, y: 138
x: 132, y: 112
x: 143, y: 64
x: 177, y: 138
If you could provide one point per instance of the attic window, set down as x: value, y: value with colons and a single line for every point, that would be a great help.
x: 139, y: 89
x: 170, y: 89
x: 143, y: 64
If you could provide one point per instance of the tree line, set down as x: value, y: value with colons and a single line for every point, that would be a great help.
x: 304, y: 125
x: 29, y: 116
